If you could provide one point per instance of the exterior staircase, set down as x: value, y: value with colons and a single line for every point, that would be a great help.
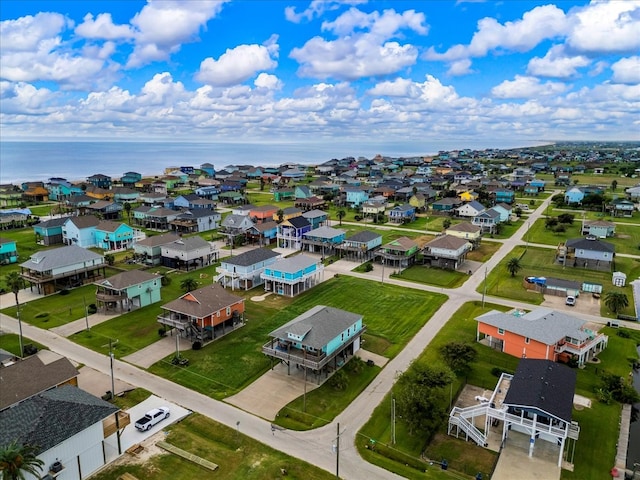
x: 462, y: 419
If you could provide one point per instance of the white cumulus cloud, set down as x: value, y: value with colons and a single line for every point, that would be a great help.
x: 527, y: 87
x: 317, y: 8
x: 103, y: 28
x: 627, y: 70
x: 557, y: 64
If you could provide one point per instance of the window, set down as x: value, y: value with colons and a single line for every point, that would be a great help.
x: 501, y: 331
x: 526, y: 339
x: 228, y: 310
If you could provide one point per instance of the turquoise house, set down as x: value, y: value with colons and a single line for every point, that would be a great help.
x: 128, y: 290
x: 573, y: 196
x: 49, y: 232
x: 113, y: 235
x: 293, y: 275
x: 355, y: 196
x: 321, y: 340
x: 8, y: 251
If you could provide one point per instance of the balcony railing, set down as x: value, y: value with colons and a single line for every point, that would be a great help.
x: 316, y: 362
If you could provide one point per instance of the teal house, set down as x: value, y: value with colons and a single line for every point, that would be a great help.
x: 113, y: 235
x: 49, y: 232
x: 128, y: 290
x: 8, y: 251
x: 320, y: 341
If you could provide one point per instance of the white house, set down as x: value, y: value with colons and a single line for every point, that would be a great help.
x: 470, y: 209
x: 244, y: 270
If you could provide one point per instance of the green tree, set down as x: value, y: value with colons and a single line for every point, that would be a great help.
x: 616, y: 301
x: 110, y: 259
x: 458, y: 355
x: 16, y: 461
x: 421, y: 397
x: 446, y: 223
x: 614, y: 185
x: 127, y: 209
x: 16, y: 283
x: 514, y: 266
x: 188, y: 284
x: 280, y: 215
x: 341, y: 214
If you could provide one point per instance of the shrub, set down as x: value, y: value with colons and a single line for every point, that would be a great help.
x: 368, y: 267
x: 196, y: 345
x: 339, y: 380
x: 42, y: 315
x: 64, y: 291
x: 162, y: 332
x: 91, y: 309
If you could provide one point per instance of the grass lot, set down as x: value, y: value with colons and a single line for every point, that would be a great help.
x: 626, y: 240
x: 432, y: 276
x: 11, y: 343
x: 484, y: 252
x: 591, y: 179
x: 595, y: 450
x: 539, y: 261
x: 464, y: 458
x: 325, y: 402
x: 237, y: 456
x: 227, y: 365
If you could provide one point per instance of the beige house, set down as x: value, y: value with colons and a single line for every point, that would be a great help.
x: 466, y: 231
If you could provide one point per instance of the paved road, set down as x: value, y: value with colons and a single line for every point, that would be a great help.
x: 313, y: 446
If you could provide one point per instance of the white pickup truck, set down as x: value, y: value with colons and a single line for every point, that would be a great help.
x: 151, y: 418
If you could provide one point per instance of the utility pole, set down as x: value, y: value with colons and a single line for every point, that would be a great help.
x: 393, y: 420
x: 86, y: 313
x: 382, y: 280
x: 338, y: 452
x: 113, y: 393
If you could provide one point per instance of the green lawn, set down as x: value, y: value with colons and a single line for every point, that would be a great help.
x: 539, y: 262
x: 229, y: 364
x: 236, y: 455
x: 484, y: 252
x: 432, y: 276
x: 11, y: 343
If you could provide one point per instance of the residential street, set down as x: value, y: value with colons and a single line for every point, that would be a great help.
x: 313, y: 446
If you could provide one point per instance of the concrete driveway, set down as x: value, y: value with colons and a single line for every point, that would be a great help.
x: 130, y: 436
x: 585, y: 303
x: 514, y: 461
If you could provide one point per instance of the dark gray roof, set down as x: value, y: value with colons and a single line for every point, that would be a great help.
x: 489, y: 213
x: 543, y: 384
x: 84, y: 221
x: 157, y: 240
x: 465, y: 227
x: 594, y: 245
x: 46, y: 260
x: 542, y: 324
x: 50, y: 418
x: 318, y: 326
x: 127, y: 279
x: 299, y: 222
x: 54, y: 222
x: 33, y: 375
x: 364, y: 236
x: 447, y: 242
x: 187, y: 244
x: 252, y: 257
x: 203, y: 302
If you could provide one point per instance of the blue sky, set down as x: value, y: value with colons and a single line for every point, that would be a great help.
x: 343, y: 71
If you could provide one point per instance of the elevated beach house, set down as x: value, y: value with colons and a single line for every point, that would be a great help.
x: 320, y: 340
x: 244, y: 271
x: 293, y: 275
x: 128, y: 290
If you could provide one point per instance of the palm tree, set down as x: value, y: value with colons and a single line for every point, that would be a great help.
x: 514, y: 266
x: 188, y: 284
x: 17, y: 460
x: 616, y: 301
x: 127, y: 209
x: 280, y: 215
x: 16, y: 283
x: 341, y: 214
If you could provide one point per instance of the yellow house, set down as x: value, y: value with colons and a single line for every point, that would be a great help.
x: 465, y: 230
x: 468, y: 196
x: 418, y: 201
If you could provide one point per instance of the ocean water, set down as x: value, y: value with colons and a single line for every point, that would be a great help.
x: 38, y: 160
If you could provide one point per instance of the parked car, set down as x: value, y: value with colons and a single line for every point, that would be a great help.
x: 571, y: 301
x: 151, y: 418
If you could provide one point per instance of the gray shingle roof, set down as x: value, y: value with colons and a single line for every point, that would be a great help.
x: 592, y: 245
x: 54, y: 222
x: 52, y: 417
x: 364, y: 236
x: 542, y: 324
x: 84, y: 221
x: 546, y: 385
x: 448, y: 242
x: 325, y: 232
x: 188, y: 244
x: 157, y: 240
x: 319, y: 325
x: 294, y: 264
x: 33, y: 375
x: 46, y: 260
x: 466, y: 227
x: 314, y: 214
x: 298, y: 222
x: 124, y: 280
x: 252, y: 257
x: 203, y: 302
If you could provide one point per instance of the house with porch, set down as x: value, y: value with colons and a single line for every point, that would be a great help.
x: 293, y: 275
x: 154, y: 218
x: 127, y: 291
x: 210, y: 192
x: 402, y: 214
x: 400, y: 253
x: 621, y: 207
x: 80, y: 231
x: 204, y: 314
x: 283, y: 193
x: 446, y: 205
x: 323, y: 240
x: 487, y: 220
x: 263, y: 213
x: 573, y: 196
x: 62, y: 268
x: 8, y: 251
x: 504, y: 209
x: 309, y: 203
x: 129, y: 179
x: 446, y: 252
x: 235, y: 226
x: 542, y: 333
x: 262, y: 233
x: 373, y: 208
x: 49, y: 232
x: 589, y: 252
x: 149, y: 250
x: 290, y: 232
x: 360, y: 246
x: 125, y: 195
x: 355, y: 196
x: 188, y: 253
x: 99, y: 180
x: 321, y: 340
x: 195, y: 221
x: 502, y: 195
x: 116, y: 236
x: 536, y: 401
x: 243, y: 271
x: 599, y: 228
